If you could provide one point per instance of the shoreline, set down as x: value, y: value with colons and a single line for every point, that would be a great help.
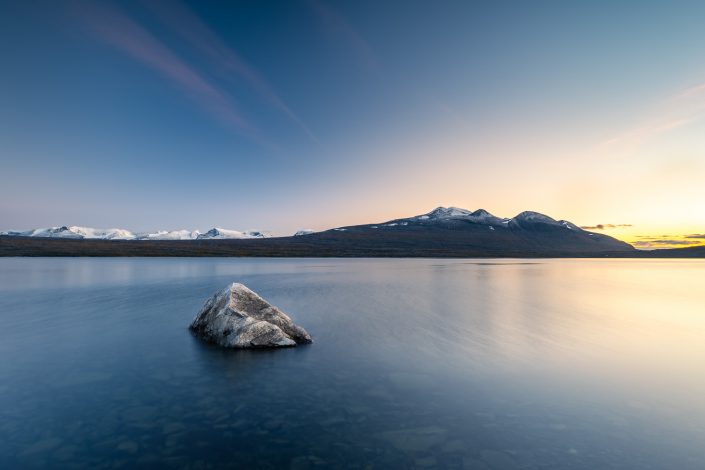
x: 300, y: 247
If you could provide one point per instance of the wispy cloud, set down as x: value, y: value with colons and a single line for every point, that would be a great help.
x: 691, y: 92
x: 336, y: 24
x: 679, y: 110
x: 666, y: 241
x: 197, y: 33
x: 116, y: 28
x: 604, y: 226
x: 663, y: 243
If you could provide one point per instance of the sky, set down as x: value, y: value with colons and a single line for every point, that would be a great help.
x: 279, y: 116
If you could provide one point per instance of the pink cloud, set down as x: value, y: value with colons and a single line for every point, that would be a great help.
x: 336, y: 24
x: 117, y: 29
x: 681, y: 109
x: 190, y: 27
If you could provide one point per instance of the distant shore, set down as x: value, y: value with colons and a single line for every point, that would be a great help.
x: 301, y: 247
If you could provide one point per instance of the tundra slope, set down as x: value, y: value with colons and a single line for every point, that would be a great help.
x: 481, y: 232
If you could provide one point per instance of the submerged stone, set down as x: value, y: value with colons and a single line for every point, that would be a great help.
x: 236, y: 317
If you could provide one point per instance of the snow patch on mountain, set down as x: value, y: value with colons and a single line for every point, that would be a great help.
x: 530, y: 216
x: 169, y: 235
x: 480, y: 216
x: 221, y: 233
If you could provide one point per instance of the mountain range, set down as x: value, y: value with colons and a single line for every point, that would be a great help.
x: 442, y: 232
x: 76, y: 232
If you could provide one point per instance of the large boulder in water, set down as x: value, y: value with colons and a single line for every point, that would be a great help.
x: 236, y: 317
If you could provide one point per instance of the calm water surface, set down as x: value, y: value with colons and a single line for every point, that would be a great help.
x: 571, y: 364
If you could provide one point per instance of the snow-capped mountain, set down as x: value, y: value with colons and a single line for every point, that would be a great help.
x: 481, y: 216
x: 77, y: 232
x: 483, y: 233
x: 74, y: 232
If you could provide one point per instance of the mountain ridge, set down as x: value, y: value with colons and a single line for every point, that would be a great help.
x: 89, y: 233
x: 439, y: 214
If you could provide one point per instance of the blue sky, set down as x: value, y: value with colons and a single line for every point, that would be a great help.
x: 282, y: 115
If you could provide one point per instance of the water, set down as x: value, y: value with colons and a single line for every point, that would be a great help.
x: 571, y: 364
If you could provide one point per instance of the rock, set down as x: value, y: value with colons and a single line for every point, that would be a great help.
x: 236, y: 317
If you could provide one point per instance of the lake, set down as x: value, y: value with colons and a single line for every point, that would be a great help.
x: 482, y: 364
